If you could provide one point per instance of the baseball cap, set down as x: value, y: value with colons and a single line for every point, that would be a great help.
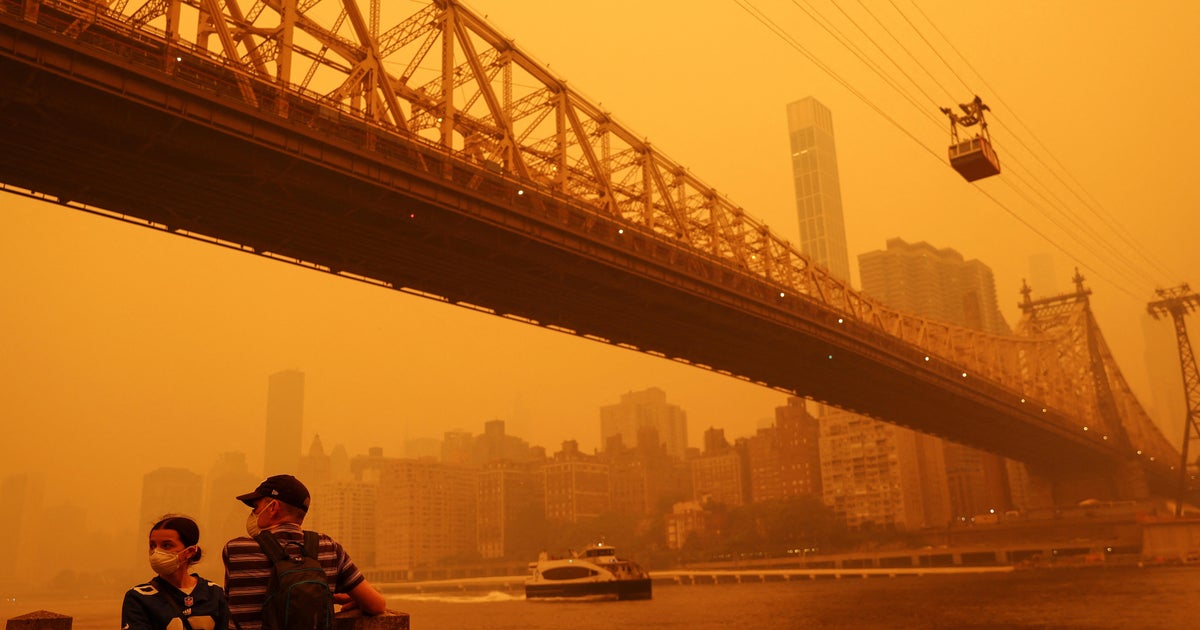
x: 285, y: 488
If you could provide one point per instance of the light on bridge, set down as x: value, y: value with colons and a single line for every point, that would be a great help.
x: 520, y: 192
x: 926, y: 358
x: 1085, y: 428
x: 840, y: 320
x: 620, y: 230
x: 1043, y: 410
x: 964, y: 375
x: 179, y: 59
x: 1139, y: 452
x: 830, y: 356
x: 781, y: 294
x: 1104, y: 437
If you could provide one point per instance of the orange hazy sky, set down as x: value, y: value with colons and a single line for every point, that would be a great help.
x: 125, y: 349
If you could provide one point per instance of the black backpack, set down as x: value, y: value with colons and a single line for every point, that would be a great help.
x: 298, y: 596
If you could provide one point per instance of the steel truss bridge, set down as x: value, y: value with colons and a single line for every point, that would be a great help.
x: 437, y: 158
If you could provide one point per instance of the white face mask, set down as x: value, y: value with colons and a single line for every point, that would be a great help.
x: 252, y: 527
x: 164, y: 562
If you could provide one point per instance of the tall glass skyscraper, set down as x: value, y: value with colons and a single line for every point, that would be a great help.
x: 898, y: 459
x: 285, y: 417
x: 818, y: 193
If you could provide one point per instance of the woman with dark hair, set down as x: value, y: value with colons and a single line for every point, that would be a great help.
x: 175, y: 599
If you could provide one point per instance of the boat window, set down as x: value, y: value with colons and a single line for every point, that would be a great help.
x: 567, y: 573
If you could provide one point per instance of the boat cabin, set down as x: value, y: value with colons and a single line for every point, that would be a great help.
x: 600, y: 553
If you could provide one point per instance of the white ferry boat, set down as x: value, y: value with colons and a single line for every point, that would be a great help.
x: 594, y: 573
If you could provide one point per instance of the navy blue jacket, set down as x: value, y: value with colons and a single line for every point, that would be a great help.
x: 145, y: 607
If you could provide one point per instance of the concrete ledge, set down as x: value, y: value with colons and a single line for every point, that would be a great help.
x: 349, y: 620
x: 45, y: 620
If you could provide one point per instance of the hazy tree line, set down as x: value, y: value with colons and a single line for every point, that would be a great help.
x: 778, y: 528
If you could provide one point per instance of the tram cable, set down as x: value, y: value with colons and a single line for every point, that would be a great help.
x: 875, y: 67
x: 1082, y: 227
x: 1106, y: 217
x: 908, y: 52
x: 845, y: 42
x: 778, y: 32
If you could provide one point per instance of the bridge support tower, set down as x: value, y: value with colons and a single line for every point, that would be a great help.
x: 1178, y: 302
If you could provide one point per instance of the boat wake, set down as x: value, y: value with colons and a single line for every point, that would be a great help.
x: 576, y: 598
x: 492, y: 596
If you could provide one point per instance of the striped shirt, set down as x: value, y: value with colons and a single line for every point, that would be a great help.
x: 248, y: 571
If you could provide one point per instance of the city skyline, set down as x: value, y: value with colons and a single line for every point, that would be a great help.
x: 207, y: 493
x: 127, y: 346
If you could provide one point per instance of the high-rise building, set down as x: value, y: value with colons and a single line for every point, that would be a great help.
x: 369, y: 467
x: 494, y: 444
x: 229, y: 477
x: 762, y: 463
x: 857, y: 495
x: 719, y: 478
x: 818, y: 190
x: 420, y: 448
x: 348, y: 514
x: 285, y: 421
x: 714, y: 440
x: 939, y: 284
x: 21, y: 504
x: 797, y: 449
x: 458, y: 447
x: 577, y: 485
x: 869, y: 472
x: 510, y: 496
x: 315, y: 467
x: 687, y: 519
x: 922, y: 280
x: 426, y: 514
x: 644, y: 409
x: 641, y: 479
x: 171, y: 491
x: 720, y: 474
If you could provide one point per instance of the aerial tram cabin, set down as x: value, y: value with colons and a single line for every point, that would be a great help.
x: 973, y: 158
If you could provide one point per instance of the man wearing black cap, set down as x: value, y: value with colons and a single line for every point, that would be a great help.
x: 278, y: 505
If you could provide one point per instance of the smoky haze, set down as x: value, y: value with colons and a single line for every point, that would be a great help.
x: 126, y: 350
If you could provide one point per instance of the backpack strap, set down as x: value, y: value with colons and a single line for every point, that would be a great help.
x: 312, y: 544
x: 270, y: 546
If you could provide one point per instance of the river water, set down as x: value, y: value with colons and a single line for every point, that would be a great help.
x: 1106, y: 597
